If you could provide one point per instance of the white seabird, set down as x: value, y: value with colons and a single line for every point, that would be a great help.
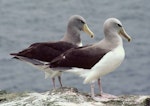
x: 94, y: 61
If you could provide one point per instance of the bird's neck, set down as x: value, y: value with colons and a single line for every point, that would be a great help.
x: 72, y: 35
x: 114, y: 39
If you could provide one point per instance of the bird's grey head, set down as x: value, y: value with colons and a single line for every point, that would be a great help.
x: 76, y: 21
x: 76, y: 24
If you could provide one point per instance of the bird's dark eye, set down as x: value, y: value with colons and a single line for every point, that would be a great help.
x: 82, y: 21
x: 119, y: 25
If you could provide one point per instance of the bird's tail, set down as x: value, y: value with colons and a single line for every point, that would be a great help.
x: 30, y: 61
x: 13, y: 54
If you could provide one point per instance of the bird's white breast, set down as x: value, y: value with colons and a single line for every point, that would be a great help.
x: 107, y: 64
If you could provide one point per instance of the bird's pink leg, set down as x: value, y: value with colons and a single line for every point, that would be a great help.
x: 100, y: 87
x: 104, y: 95
x: 92, y: 90
x: 53, y: 80
x: 59, y: 78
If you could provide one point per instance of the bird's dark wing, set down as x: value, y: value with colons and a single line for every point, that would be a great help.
x: 82, y: 57
x: 45, y: 51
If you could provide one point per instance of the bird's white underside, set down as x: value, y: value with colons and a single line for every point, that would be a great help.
x: 106, y: 65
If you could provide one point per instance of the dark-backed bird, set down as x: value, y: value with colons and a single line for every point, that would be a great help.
x: 47, y: 51
x: 96, y: 60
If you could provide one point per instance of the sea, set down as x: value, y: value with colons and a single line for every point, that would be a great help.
x: 23, y: 22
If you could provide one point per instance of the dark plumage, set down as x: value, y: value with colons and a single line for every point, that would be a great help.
x: 45, y: 51
x: 82, y: 57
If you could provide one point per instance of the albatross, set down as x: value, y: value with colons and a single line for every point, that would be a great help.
x: 39, y: 53
x: 96, y: 60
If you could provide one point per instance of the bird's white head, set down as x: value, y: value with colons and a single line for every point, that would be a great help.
x: 113, y: 27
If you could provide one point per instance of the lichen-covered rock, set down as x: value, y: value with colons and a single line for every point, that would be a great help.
x: 67, y: 97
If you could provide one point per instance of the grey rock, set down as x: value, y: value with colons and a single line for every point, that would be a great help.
x: 68, y: 96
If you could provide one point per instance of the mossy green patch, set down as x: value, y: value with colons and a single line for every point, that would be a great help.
x: 5, y: 96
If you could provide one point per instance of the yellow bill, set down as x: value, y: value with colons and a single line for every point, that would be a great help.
x: 88, y: 31
x: 124, y: 34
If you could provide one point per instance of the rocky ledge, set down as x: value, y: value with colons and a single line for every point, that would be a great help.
x: 67, y: 96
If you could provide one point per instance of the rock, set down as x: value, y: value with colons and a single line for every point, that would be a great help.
x: 67, y: 96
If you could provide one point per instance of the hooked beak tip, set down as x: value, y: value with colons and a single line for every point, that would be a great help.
x: 92, y: 36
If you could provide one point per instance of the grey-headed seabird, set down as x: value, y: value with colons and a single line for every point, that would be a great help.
x: 47, y: 51
x: 94, y: 61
